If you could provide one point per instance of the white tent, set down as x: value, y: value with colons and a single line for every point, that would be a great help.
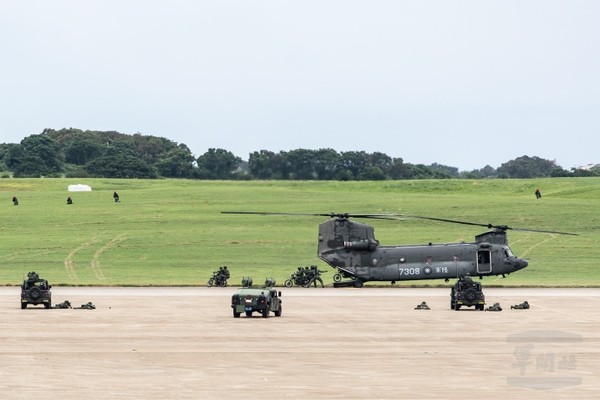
x: 80, y: 188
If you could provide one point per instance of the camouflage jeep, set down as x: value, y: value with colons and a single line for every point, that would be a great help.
x: 263, y: 300
x: 467, y: 293
x: 35, y: 291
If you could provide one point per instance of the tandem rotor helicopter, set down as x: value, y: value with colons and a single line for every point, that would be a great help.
x: 351, y: 248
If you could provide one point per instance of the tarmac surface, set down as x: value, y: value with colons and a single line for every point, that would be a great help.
x: 344, y: 343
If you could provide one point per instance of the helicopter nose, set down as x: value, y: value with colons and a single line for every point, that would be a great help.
x: 519, y: 263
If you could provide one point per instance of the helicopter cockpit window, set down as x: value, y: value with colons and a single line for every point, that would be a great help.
x: 508, y: 252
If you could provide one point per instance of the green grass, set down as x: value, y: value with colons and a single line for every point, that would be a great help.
x: 171, y: 232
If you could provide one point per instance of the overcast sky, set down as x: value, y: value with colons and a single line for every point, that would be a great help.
x: 461, y: 83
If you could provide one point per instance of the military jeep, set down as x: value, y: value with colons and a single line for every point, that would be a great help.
x: 467, y: 293
x: 35, y: 291
x: 250, y: 299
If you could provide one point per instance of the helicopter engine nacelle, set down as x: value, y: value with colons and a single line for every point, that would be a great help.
x: 363, y: 245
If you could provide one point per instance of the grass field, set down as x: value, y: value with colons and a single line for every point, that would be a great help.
x: 171, y: 232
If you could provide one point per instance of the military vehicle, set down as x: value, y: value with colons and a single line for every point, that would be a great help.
x: 219, y: 278
x: 35, y: 291
x: 250, y: 299
x: 305, y: 277
x: 467, y: 293
x: 351, y: 248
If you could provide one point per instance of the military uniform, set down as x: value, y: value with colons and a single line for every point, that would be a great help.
x: 523, y: 306
x: 64, y: 304
x: 422, y: 306
x: 87, y: 306
x: 495, y: 307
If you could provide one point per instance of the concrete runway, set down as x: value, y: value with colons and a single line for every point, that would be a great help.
x: 370, y: 343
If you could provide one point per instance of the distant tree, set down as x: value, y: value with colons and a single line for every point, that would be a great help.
x: 38, y: 155
x: 399, y: 170
x: 444, y: 171
x: 326, y: 163
x: 382, y: 162
x: 353, y: 162
x: 120, y: 165
x: 262, y: 164
x: 300, y: 164
x: 217, y: 164
x: 371, y: 173
x: 177, y: 163
x: 527, y: 167
x: 81, y: 151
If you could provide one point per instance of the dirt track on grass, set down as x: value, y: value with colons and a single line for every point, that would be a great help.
x: 370, y: 343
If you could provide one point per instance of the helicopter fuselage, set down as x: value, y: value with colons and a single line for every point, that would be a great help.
x: 351, y: 248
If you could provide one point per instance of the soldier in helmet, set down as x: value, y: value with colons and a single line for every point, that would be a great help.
x: 422, y: 306
x: 523, y: 306
x: 495, y: 307
x: 15, y: 200
x: 64, y: 304
x: 88, y: 306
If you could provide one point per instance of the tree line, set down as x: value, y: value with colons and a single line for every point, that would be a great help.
x: 109, y: 154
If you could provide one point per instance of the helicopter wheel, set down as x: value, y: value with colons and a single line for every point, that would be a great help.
x: 209, y: 283
x: 337, y: 278
x: 358, y: 283
x: 288, y: 283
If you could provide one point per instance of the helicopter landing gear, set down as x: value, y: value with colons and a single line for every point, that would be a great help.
x: 358, y: 283
x: 393, y: 283
x: 337, y: 278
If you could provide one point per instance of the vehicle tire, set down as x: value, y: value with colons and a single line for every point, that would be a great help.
x: 209, y: 283
x: 452, y: 304
x: 278, y: 312
x: 337, y: 278
x: 471, y: 294
x: 236, y: 314
x: 248, y: 313
x: 358, y: 283
x: 265, y: 313
x: 288, y: 283
x: 457, y: 307
x: 23, y: 306
x: 47, y: 305
x: 35, y: 292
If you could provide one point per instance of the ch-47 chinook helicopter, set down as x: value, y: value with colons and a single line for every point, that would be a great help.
x: 351, y: 248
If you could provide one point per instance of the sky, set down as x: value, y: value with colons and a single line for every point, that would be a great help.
x: 459, y: 83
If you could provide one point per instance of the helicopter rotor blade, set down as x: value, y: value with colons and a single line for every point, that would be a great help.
x: 330, y: 215
x: 399, y: 217
x: 491, y: 226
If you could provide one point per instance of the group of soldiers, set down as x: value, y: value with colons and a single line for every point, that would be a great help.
x: 69, y: 199
x: 220, y: 277
x: 495, y: 307
x: 67, y: 304
x: 305, y: 277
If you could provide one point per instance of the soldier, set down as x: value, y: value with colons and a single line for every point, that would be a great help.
x: 64, y: 304
x: 116, y: 197
x: 15, y: 200
x: 523, y: 306
x: 538, y: 194
x: 88, y: 306
x: 69, y: 200
x: 495, y: 307
x: 422, y: 306
x: 32, y: 278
